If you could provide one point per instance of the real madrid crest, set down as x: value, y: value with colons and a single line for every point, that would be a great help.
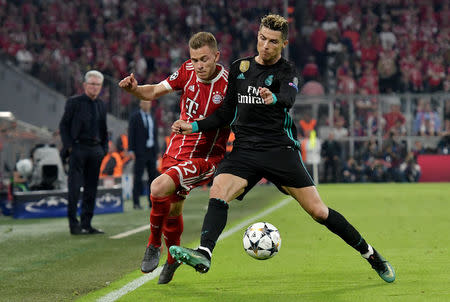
x: 244, y: 66
x: 269, y: 80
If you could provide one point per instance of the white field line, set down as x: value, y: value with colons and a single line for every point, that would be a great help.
x: 131, y: 232
x: 114, y: 295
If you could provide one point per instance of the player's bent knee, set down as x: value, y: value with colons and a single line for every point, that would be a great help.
x: 217, y: 191
x: 319, y: 214
x: 162, y: 186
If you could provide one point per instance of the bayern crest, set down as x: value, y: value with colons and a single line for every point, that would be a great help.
x: 217, y: 98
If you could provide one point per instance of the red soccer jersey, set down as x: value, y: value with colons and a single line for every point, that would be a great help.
x: 199, y: 99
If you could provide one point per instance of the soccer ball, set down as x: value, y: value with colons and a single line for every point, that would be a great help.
x: 262, y: 240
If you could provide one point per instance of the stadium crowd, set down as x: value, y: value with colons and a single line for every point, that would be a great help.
x: 50, y: 38
x: 341, y: 47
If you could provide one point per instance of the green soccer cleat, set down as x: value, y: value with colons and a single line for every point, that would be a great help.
x: 382, y: 267
x: 190, y: 257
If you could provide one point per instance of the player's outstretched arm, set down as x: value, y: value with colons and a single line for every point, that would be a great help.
x: 182, y: 127
x: 142, y: 92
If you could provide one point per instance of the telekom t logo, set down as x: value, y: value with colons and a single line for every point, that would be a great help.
x: 191, y: 107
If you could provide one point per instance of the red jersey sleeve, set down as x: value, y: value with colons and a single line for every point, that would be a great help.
x: 178, y: 79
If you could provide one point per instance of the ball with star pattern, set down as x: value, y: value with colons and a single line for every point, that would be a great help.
x: 262, y: 240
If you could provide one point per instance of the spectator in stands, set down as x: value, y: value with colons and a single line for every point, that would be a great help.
x: 443, y: 146
x: 138, y: 65
x: 447, y: 116
x: 319, y: 11
x: 410, y: 171
x: 112, y: 164
x: 330, y: 24
x: 310, y: 71
x: 369, y: 79
x: 367, y: 152
x: 392, y: 158
x: 387, y: 37
x: 418, y: 149
x: 331, y: 152
x: 376, y: 169
x: 364, y: 103
x: 352, y: 171
x: 318, y: 42
x: 335, y: 49
x: 369, y: 50
x: 352, y: 34
x: 347, y: 83
x: 416, y: 79
x: 387, y: 69
x: 24, y: 59
x: 358, y: 129
x: 307, y: 124
x: 436, y: 73
x: 393, y: 117
x: 339, y: 131
x: 427, y: 121
x: 446, y: 84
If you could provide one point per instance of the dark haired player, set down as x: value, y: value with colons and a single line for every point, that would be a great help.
x: 261, y: 90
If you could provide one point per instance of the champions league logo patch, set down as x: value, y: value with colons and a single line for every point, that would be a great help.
x: 174, y: 76
x: 217, y: 98
x: 108, y: 200
x: 294, y: 83
x: 47, y: 203
x: 269, y: 80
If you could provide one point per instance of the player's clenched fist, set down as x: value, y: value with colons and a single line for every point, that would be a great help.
x: 129, y: 83
x: 182, y: 127
x: 266, y: 95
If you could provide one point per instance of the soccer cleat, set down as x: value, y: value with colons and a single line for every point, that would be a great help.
x: 190, y: 257
x: 77, y: 230
x: 382, y: 267
x: 167, y: 272
x: 151, y: 259
x: 93, y: 231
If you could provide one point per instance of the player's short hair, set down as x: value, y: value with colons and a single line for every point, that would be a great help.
x: 201, y: 39
x: 277, y: 23
x: 93, y: 73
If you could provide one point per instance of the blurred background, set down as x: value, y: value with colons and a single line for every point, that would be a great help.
x: 374, y: 104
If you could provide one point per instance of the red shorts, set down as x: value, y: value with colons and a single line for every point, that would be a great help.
x: 188, y: 174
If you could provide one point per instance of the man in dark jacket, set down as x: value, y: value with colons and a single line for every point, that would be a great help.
x: 143, y: 148
x: 85, y: 142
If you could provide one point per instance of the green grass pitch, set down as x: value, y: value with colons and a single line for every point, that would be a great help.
x: 407, y: 223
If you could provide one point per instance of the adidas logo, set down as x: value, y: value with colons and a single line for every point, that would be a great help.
x: 241, y: 77
x: 192, y: 88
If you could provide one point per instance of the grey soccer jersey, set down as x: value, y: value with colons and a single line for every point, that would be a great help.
x: 256, y: 125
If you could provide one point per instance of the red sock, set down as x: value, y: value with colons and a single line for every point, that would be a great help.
x: 173, y: 228
x: 159, y: 213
